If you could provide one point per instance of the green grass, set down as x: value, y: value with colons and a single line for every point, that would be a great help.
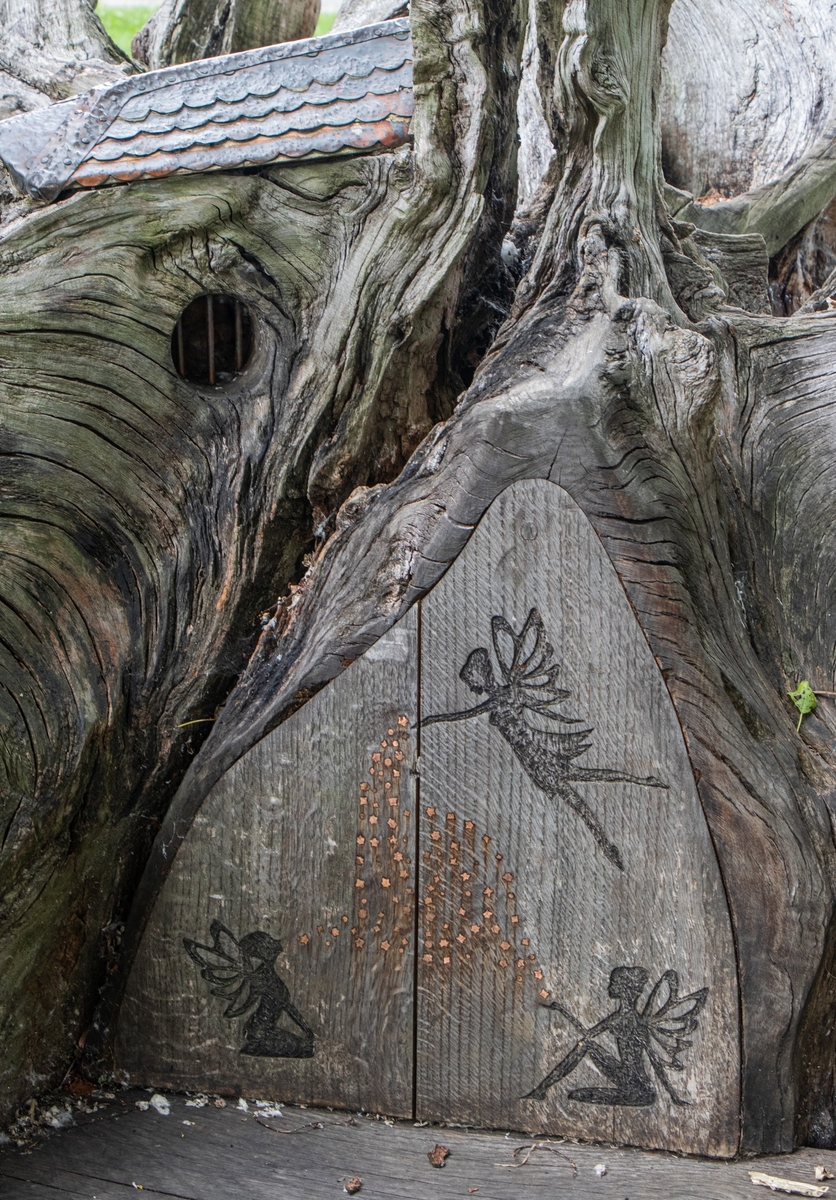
x: 122, y: 21
x: 326, y: 20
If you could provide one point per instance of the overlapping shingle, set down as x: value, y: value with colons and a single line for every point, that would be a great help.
x: 344, y: 93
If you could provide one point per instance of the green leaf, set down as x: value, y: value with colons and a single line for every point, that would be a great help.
x: 804, y: 699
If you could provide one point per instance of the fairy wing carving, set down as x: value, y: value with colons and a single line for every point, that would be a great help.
x: 525, y: 660
x: 225, y: 967
x: 669, y: 1019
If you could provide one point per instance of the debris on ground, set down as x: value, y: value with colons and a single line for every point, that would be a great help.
x: 219, y: 1103
x: 198, y: 1101
x: 266, y: 1108
x: 35, y: 1120
x: 77, y: 1086
x: 823, y: 1173
x: 794, y: 1186
x: 600, y: 1170
x: 438, y: 1155
x: 58, y: 1118
x: 353, y: 1185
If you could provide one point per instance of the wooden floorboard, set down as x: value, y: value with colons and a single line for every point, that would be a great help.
x: 228, y: 1153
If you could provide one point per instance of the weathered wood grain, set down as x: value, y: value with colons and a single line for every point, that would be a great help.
x: 310, y: 838
x: 183, y: 30
x: 621, y: 375
x: 748, y: 110
x: 747, y: 97
x: 804, y: 264
x: 519, y: 905
x: 528, y: 907
x: 747, y: 87
x: 228, y: 1152
x: 59, y: 47
x: 353, y: 14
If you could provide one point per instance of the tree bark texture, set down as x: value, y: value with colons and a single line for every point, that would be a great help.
x: 146, y: 524
x: 183, y: 30
x: 57, y: 47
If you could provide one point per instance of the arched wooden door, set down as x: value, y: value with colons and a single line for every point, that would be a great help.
x: 471, y: 879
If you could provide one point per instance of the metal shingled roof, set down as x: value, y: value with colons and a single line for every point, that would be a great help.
x: 344, y: 93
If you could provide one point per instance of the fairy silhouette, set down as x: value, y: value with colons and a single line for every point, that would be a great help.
x: 244, y: 974
x: 658, y: 1032
x: 528, y: 686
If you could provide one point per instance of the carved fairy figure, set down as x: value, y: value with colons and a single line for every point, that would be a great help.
x: 528, y: 687
x: 657, y: 1033
x: 244, y: 973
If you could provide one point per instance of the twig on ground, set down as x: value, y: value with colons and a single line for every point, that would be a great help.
x: 529, y: 1148
x: 793, y: 1186
x: 301, y: 1129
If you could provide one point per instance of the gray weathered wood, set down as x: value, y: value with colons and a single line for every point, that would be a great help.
x: 148, y: 526
x: 58, y: 47
x: 352, y: 14
x: 644, y: 399
x: 748, y: 111
x: 184, y: 30
x: 227, y: 1152
x: 547, y: 916
x: 747, y: 88
x: 565, y: 914
x: 310, y: 838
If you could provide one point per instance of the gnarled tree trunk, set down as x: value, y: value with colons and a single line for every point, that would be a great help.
x: 626, y: 355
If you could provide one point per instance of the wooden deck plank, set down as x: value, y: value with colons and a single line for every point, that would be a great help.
x: 228, y: 1153
x: 59, y: 1186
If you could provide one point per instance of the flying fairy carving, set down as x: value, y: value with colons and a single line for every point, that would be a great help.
x: 658, y: 1033
x: 528, y: 685
x: 244, y: 973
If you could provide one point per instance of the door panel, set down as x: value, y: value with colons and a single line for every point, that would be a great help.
x: 543, y: 882
x: 309, y: 841
x: 575, y: 968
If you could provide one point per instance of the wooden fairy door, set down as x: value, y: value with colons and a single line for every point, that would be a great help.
x: 278, y: 961
x: 507, y: 900
x: 576, y: 970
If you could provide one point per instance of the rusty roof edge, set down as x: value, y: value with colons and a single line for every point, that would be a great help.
x: 83, y: 119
